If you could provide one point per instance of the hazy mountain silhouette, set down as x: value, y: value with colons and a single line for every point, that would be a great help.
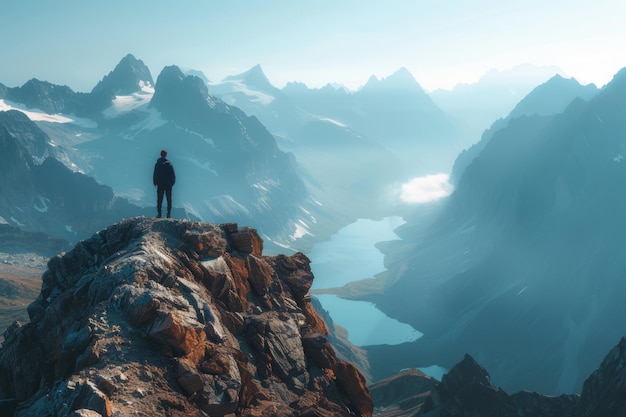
x: 395, y: 112
x: 477, y: 105
x: 549, y: 98
x: 524, y: 268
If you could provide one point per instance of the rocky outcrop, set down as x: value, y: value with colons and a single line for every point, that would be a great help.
x: 403, y: 394
x: 604, y: 392
x: 178, y: 318
x: 467, y: 391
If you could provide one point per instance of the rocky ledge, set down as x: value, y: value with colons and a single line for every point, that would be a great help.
x: 167, y: 317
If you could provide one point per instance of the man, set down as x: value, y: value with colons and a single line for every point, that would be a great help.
x: 164, y: 179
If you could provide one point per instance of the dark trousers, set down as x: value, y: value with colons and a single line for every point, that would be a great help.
x: 167, y: 190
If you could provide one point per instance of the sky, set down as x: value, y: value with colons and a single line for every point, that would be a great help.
x: 441, y: 42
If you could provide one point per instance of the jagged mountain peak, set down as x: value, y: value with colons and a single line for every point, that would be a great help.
x: 218, y: 328
x: 129, y: 76
x: 401, y: 81
x: 254, y: 77
x: 177, y: 94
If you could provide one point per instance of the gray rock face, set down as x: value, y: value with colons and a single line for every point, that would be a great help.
x: 177, y: 318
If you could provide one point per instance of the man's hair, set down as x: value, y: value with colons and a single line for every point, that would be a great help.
x: 163, y: 153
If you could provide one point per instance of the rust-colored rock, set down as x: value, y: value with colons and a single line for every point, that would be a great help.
x: 177, y: 318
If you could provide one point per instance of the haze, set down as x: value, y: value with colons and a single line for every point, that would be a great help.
x: 440, y: 43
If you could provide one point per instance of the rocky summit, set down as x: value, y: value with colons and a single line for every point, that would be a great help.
x: 162, y: 317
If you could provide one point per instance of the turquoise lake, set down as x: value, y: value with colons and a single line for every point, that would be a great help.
x: 351, y: 255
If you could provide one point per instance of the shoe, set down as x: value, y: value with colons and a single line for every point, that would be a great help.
x: 169, y: 215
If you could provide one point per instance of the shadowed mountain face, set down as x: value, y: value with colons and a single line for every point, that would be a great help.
x: 42, y: 195
x: 177, y: 318
x: 548, y: 99
x: 524, y: 270
x: 467, y: 391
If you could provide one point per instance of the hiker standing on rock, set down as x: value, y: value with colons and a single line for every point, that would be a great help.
x: 164, y: 179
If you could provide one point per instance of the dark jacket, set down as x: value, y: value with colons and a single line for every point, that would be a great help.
x: 163, y: 173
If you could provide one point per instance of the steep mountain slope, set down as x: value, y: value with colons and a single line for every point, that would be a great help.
x: 128, y: 77
x: 178, y: 318
x: 42, y: 195
x: 549, y: 98
x: 524, y: 269
x: 477, y: 105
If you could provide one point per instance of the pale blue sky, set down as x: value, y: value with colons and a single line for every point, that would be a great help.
x: 442, y: 42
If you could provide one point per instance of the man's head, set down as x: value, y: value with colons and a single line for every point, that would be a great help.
x: 163, y: 153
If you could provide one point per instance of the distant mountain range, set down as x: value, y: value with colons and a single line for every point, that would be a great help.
x: 477, y: 105
x: 524, y: 266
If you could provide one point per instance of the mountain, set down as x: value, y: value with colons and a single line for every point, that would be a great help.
x: 523, y: 269
x: 56, y: 99
x: 395, y: 112
x: 227, y: 164
x: 477, y: 105
x: 345, y: 172
x: 178, y: 318
x: 38, y: 194
x: 128, y: 77
x: 547, y: 99
x: 467, y: 390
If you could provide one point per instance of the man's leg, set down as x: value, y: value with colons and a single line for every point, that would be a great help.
x: 168, y: 196
x: 160, y: 191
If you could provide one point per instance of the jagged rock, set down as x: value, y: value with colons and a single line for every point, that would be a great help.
x: 467, y: 391
x: 168, y: 317
x: 128, y: 77
x: 604, y: 392
x: 402, y: 394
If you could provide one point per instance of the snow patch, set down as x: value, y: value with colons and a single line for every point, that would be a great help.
x: 14, y: 220
x: 153, y: 121
x: 301, y: 230
x: 124, y: 104
x: 42, y: 204
x: 239, y: 87
x: 335, y: 122
x: 37, y: 115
